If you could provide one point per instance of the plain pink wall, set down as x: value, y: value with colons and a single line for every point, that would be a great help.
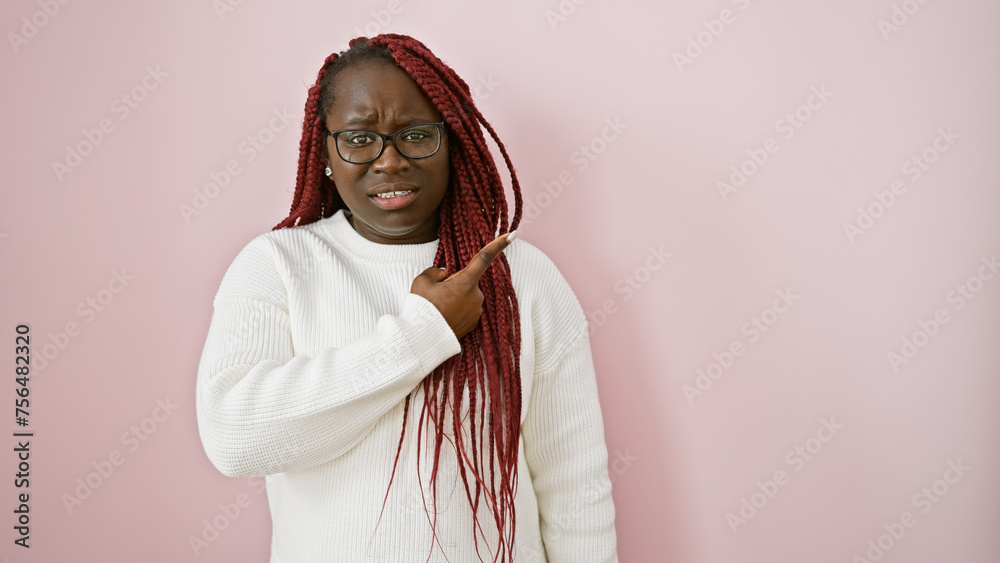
x: 692, y: 90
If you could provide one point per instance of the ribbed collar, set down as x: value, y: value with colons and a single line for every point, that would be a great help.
x: 339, y: 230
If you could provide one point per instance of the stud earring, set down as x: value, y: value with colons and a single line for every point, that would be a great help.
x: 328, y: 171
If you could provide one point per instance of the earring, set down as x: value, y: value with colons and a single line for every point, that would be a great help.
x: 328, y: 171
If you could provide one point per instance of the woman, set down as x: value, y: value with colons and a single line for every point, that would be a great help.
x: 329, y: 328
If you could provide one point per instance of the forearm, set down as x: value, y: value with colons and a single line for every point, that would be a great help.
x: 263, y: 410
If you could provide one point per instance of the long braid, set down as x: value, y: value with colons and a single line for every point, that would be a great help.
x: 473, y: 212
x: 503, y: 442
x: 312, y: 197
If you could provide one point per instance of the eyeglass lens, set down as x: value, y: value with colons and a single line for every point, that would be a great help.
x: 418, y: 141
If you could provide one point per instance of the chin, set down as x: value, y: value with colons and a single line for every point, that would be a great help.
x: 399, y: 228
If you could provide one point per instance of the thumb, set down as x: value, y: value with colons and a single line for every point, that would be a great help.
x: 435, y: 273
x: 432, y: 274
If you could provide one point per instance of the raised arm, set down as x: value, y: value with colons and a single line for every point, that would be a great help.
x: 263, y: 409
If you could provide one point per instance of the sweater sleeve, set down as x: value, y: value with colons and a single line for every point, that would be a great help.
x: 263, y: 409
x: 565, y: 449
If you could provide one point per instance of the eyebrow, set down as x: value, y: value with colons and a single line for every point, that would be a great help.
x: 367, y: 120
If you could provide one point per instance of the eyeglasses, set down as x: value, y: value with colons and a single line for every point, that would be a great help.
x: 359, y: 146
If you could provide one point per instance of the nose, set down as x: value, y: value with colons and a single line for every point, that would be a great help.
x: 390, y: 161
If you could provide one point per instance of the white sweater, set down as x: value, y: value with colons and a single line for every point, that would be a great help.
x: 315, y: 342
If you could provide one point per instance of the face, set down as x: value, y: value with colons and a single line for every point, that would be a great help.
x: 381, y: 97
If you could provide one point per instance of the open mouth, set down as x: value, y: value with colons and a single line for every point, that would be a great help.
x: 394, y: 199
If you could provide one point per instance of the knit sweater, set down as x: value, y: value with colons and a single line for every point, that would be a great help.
x: 315, y: 342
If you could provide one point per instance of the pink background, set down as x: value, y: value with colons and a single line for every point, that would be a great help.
x: 681, y: 468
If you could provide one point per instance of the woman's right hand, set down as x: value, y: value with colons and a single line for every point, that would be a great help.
x: 458, y: 296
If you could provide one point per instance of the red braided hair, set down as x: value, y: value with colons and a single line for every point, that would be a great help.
x: 473, y: 212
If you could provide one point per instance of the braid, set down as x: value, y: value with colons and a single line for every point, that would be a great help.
x: 473, y: 212
x: 314, y: 192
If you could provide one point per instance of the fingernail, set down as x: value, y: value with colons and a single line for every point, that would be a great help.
x: 511, y: 236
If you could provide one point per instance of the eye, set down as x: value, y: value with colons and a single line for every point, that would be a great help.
x: 418, y: 134
x: 358, y: 138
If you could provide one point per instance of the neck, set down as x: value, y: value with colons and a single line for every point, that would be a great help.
x: 427, y: 232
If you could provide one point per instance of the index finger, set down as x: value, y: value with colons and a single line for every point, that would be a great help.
x: 482, y: 260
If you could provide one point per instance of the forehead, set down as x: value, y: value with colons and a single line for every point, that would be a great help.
x: 377, y: 94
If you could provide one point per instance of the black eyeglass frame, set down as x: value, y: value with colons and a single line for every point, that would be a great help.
x: 385, y: 140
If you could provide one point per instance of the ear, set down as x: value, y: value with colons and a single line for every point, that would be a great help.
x: 326, y: 156
x: 326, y: 145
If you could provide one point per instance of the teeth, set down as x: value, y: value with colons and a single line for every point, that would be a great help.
x: 392, y: 194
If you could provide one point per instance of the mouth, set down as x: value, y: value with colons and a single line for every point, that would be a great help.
x: 393, y: 196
